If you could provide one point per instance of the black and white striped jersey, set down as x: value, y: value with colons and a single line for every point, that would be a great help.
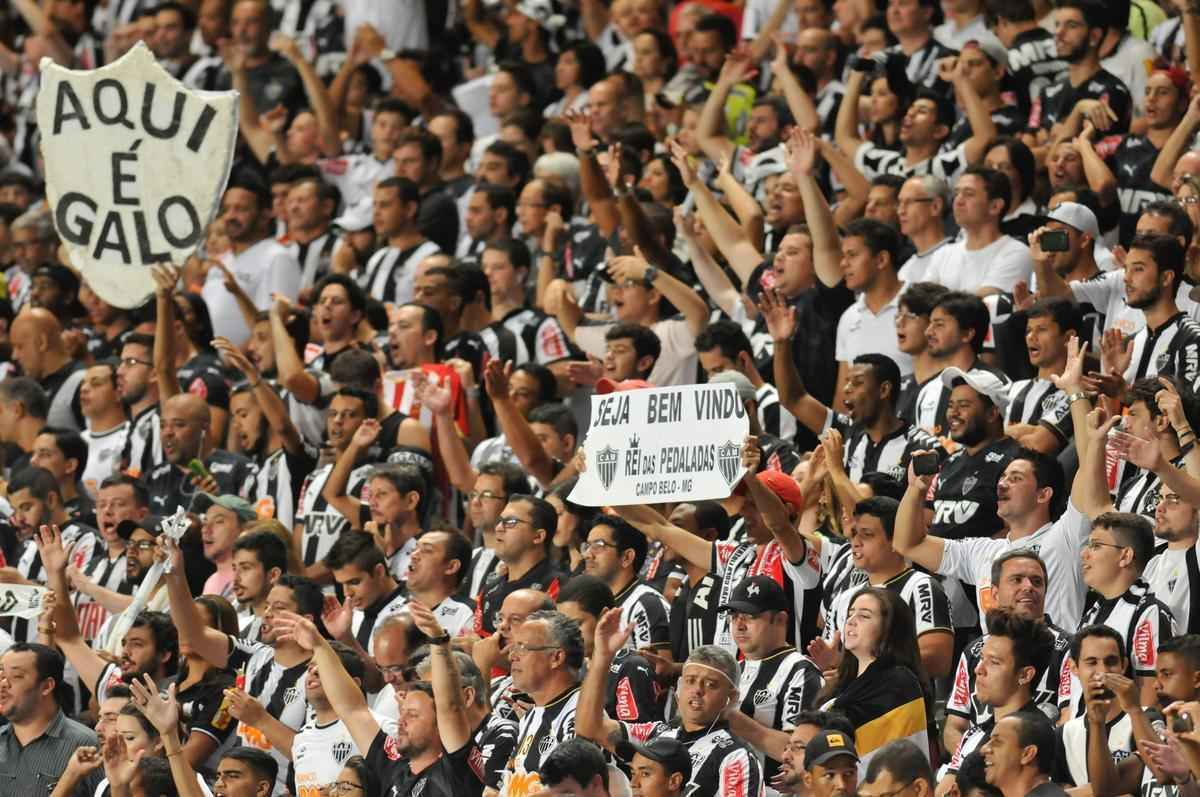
x: 862, y: 455
x: 315, y: 257
x: 142, y: 451
x: 775, y: 689
x: 277, y: 485
x: 322, y: 523
x: 1173, y: 348
x: 527, y: 335
x: 390, y: 272
x: 695, y: 615
x: 645, y: 609
x: 279, y: 689
x: 921, y: 591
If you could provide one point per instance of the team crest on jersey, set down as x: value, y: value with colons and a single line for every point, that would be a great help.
x: 1161, y: 361
x: 341, y: 751
x: 290, y: 695
x: 762, y: 697
x: 546, y: 744
x: 969, y: 484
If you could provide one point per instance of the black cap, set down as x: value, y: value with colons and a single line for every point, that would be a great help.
x: 757, y: 594
x: 669, y: 752
x: 826, y: 745
x: 148, y: 524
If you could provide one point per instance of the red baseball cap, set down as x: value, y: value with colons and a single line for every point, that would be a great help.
x: 605, y: 385
x: 784, y: 486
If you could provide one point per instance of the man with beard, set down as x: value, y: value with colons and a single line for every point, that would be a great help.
x: 259, y: 559
x: 495, y: 482
x: 186, y: 436
x: 491, y: 210
x: 1087, y: 92
x: 722, y: 764
x: 1170, y: 341
x: 480, y: 738
x: 266, y: 433
x: 321, y: 744
x: 271, y: 79
x: 262, y: 267
x: 1170, y: 573
x: 1073, y: 274
x: 107, y: 425
x: 958, y: 325
x: 831, y: 765
x: 614, y: 552
x: 809, y: 725
x: 137, y: 388
x: 410, y: 761
x: 272, y: 706
x: 1016, y: 653
x: 150, y: 645
x: 459, y: 295
x: 1175, y: 680
x: 38, y: 737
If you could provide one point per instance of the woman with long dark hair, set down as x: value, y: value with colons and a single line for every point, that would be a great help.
x: 573, y: 522
x: 879, y: 684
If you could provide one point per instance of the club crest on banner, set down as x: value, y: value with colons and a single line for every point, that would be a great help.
x: 606, y: 465
x: 136, y: 164
x: 729, y: 460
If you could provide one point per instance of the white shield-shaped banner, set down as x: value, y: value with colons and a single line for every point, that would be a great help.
x: 135, y: 167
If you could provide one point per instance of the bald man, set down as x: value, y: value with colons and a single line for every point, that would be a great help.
x: 38, y: 348
x: 186, y: 437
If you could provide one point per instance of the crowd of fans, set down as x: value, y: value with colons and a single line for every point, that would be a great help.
x: 304, y: 520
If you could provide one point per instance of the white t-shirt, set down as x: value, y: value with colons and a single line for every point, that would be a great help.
x: 861, y: 331
x: 104, y: 455
x: 1168, y: 579
x: 402, y: 25
x: 1130, y: 62
x: 1059, y: 544
x: 320, y: 751
x: 675, y: 366
x: 1001, y: 264
x: 265, y: 268
x: 356, y: 175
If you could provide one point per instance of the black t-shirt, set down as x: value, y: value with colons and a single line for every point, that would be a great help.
x: 1058, y: 100
x: 170, y: 486
x: 1131, y: 164
x: 1009, y: 121
x: 544, y: 576
x: 204, y: 376
x: 1033, y: 64
x: 964, y: 491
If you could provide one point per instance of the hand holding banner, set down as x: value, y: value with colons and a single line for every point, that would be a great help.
x: 656, y: 445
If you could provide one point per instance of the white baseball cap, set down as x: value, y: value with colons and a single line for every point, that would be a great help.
x: 357, y: 217
x: 985, y: 383
x: 1077, y: 217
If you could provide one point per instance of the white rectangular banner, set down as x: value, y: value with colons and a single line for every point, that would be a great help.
x: 663, y: 444
x: 22, y: 600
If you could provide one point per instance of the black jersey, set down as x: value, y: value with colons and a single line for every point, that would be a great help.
x: 775, y: 689
x: 170, y: 486
x: 544, y: 577
x: 695, y: 615
x: 487, y: 754
x: 722, y: 764
x: 1131, y: 164
x: 964, y: 491
x: 1033, y: 64
x: 1051, y: 695
x: 1009, y: 121
x: 633, y: 694
x: 1057, y: 100
x: 203, y: 376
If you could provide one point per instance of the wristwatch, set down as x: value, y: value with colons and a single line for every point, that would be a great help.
x: 1071, y: 399
x: 444, y: 639
x: 651, y: 275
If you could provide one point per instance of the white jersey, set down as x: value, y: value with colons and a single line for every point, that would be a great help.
x: 356, y: 175
x: 1060, y: 545
x: 318, y: 754
x: 104, y: 455
x: 1169, y: 580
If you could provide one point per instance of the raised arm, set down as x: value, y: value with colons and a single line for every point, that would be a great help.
x: 516, y: 428
x: 165, y: 279
x: 453, y: 722
x: 272, y: 406
x: 695, y: 550
x: 1089, y: 492
x: 853, y: 201
x: 288, y: 366
x: 846, y: 127
x: 40, y: 23
x: 590, y: 720
x: 711, y: 130
x: 207, y: 643
x: 745, y: 207
x: 799, y: 103
x: 741, y: 254
x: 781, y: 324
x: 86, y: 661
x: 712, y: 277
x: 690, y: 304
x: 334, y: 490
x: 912, y: 538
x: 163, y: 713
x: 827, y: 247
x: 450, y: 445
x: 1049, y: 282
x: 344, y: 694
x: 774, y: 513
x: 592, y: 180
x: 1099, y: 177
x: 983, y: 129
x: 318, y: 96
x: 1180, y: 140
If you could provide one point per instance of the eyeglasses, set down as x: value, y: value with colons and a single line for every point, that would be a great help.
x: 596, y: 545
x: 1092, y: 545
x: 520, y: 648
x: 485, y: 495
x: 144, y: 545
x: 343, y: 787
x: 903, y: 316
x: 1188, y: 200
x: 510, y: 522
x: 132, y: 361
